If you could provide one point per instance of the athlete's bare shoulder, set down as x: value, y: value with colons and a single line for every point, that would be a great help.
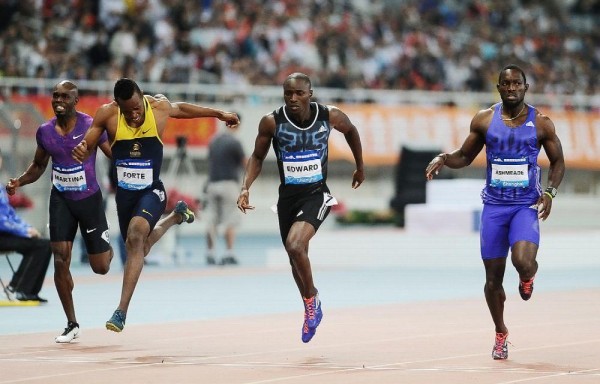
x: 270, y: 116
x: 106, y: 110
x: 482, y: 119
x: 544, y: 126
x: 267, y: 125
x: 159, y: 103
x: 486, y: 112
x: 334, y: 110
x: 540, y: 117
x: 110, y: 105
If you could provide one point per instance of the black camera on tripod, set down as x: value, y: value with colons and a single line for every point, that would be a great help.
x: 181, y: 142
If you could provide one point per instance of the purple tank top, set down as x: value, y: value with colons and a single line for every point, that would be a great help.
x: 513, y: 175
x: 75, y: 181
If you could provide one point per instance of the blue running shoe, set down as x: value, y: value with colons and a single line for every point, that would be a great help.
x: 307, y: 333
x: 312, y: 317
x: 116, y: 322
x: 187, y: 215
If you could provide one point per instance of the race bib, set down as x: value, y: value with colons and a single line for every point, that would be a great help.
x: 302, y: 167
x: 69, y: 178
x: 509, y: 172
x: 134, y: 174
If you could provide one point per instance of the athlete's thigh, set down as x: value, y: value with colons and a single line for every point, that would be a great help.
x: 286, y: 210
x: 93, y: 224
x: 62, y: 222
x: 151, y: 205
x: 125, y: 201
x: 301, y: 232
x: 525, y: 226
x: 493, y: 233
x: 314, y: 209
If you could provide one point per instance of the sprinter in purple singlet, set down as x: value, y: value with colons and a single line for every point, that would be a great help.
x: 75, y: 198
x: 513, y: 197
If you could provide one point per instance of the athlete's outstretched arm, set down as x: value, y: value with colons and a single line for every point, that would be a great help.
x: 183, y: 110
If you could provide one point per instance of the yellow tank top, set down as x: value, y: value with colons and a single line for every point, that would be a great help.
x: 137, y: 153
x: 147, y: 129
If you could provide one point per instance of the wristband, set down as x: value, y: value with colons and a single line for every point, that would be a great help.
x: 551, y: 191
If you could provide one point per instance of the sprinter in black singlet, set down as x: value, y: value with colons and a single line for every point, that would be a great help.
x: 299, y: 131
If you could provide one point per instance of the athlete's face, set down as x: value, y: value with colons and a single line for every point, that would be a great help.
x: 512, y: 87
x: 133, y: 110
x: 64, y: 100
x: 297, y: 94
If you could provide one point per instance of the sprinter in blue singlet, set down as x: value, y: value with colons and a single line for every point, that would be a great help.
x: 513, y: 133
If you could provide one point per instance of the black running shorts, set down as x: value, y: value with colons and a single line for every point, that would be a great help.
x: 312, y: 208
x: 88, y: 214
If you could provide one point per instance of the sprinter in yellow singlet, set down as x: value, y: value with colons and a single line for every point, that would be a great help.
x: 135, y: 123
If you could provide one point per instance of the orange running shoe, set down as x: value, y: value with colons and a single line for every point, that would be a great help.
x: 500, y: 350
x: 526, y: 288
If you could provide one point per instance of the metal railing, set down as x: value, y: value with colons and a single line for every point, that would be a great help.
x: 257, y: 95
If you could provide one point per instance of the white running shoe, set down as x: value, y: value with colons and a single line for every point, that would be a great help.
x: 70, y: 333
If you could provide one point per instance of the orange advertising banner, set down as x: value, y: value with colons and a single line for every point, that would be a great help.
x: 385, y: 130
x: 197, y: 131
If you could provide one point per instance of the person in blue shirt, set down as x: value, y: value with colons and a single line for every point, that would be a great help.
x: 18, y: 236
x: 513, y: 134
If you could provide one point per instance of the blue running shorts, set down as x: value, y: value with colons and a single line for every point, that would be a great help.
x: 149, y: 203
x: 504, y: 225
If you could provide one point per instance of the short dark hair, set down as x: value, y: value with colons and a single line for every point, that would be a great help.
x: 68, y: 84
x: 125, y: 88
x: 516, y: 68
x: 300, y: 76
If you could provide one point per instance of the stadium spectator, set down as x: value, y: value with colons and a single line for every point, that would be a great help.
x: 380, y: 44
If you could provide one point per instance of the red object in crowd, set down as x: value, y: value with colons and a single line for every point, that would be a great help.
x: 173, y: 196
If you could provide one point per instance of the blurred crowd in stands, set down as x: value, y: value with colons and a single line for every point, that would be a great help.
x: 450, y: 45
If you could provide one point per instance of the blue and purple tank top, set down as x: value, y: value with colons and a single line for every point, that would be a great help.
x: 513, y: 175
x: 302, y: 152
x: 74, y: 180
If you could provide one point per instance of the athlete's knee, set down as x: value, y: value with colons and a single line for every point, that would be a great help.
x: 295, y: 248
x: 60, y: 265
x: 135, y: 239
x: 61, y: 259
x: 100, y: 262
x: 101, y: 270
x: 493, y: 284
x: 525, y: 263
